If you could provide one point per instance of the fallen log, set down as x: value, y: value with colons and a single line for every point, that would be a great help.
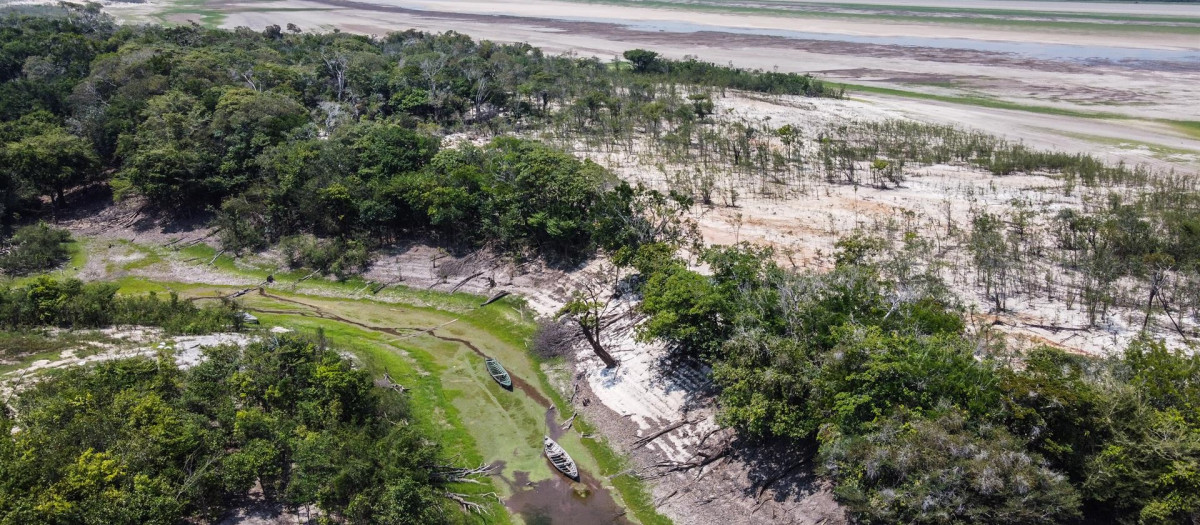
x: 641, y: 442
x: 465, y: 281
x: 468, y: 506
x: 570, y: 421
x: 495, y: 298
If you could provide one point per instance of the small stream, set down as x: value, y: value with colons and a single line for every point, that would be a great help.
x: 555, y: 500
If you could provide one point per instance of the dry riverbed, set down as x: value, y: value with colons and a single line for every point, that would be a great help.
x: 1142, y: 72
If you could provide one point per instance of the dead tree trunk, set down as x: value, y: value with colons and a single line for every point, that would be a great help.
x: 592, y: 334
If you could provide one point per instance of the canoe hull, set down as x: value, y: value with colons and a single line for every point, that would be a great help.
x: 498, y: 373
x: 560, y: 459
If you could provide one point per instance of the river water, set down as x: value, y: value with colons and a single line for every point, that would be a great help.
x: 1034, y: 50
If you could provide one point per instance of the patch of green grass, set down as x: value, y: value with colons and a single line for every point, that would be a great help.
x: 209, y: 17
x: 984, y: 102
x: 148, y: 257
x: 1158, y: 151
x: 1190, y: 128
x: 78, y: 250
x: 1024, y: 13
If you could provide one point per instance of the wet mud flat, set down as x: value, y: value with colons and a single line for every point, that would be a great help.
x: 1032, y: 56
x: 554, y: 500
x: 559, y: 501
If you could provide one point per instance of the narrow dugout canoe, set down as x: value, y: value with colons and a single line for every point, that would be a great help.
x: 560, y: 459
x: 498, y: 373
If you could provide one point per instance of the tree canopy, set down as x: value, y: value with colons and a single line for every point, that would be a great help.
x: 138, y: 441
x: 917, y: 419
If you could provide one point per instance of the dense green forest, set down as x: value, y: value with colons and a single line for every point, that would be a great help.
x: 280, y: 135
x: 331, y: 145
x: 140, y: 441
x: 920, y: 420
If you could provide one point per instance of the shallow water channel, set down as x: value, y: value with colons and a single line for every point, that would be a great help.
x: 553, y: 500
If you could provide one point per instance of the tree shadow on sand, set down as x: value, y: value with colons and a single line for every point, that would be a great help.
x: 779, y: 469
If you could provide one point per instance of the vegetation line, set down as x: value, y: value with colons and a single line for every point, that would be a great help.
x: 987, y: 103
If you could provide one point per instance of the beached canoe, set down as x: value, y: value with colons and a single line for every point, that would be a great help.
x: 498, y: 373
x: 561, y: 460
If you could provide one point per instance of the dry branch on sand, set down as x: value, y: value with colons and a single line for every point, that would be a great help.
x: 469, y: 506
x: 641, y: 442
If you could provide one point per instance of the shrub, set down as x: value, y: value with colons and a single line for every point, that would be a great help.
x: 343, y: 258
x: 34, y: 248
x: 910, y: 469
x: 553, y: 338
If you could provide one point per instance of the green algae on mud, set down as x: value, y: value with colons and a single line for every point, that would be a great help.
x: 438, y: 357
x: 432, y: 343
x: 451, y: 391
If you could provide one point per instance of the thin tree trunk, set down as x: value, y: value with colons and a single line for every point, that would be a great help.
x: 594, y: 340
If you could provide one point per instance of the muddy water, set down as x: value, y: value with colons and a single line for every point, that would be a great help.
x: 556, y: 500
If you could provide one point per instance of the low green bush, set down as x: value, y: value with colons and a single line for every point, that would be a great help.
x: 34, y: 248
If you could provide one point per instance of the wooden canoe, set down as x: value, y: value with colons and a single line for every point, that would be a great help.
x: 498, y: 373
x: 560, y: 459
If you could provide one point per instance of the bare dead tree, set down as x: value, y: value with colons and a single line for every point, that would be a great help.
x: 245, y: 75
x: 337, y: 64
x: 480, y: 78
x: 588, y: 307
x: 431, y: 68
x: 1161, y: 264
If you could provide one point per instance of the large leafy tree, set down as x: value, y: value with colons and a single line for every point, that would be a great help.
x: 244, y: 124
x: 138, y: 441
x: 171, y: 158
x: 50, y: 162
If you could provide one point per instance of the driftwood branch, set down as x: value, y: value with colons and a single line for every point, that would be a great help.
x: 469, y: 506
x: 700, y: 460
x: 305, y: 278
x: 570, y: 421
x: 387, y: 382
x: 641, y: 442
x: 453, y: 474
x: 495, y: 298
x: 465, y: 281
x: 1056, y: 329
